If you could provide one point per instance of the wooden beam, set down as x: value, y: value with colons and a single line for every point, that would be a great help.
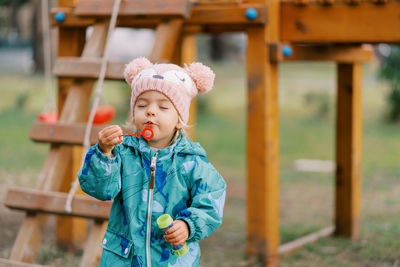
x: 335, y: 53
x: 201, y: 15
x: 71, y: 43
x: 54, y: 202
x: 87, y: 68
x: 92, y: 253
x: 189, y: 55
x: 167, y: 35
x: 304, y: 240
x: 62, y: 133
x: 11, y: 263
x: 164, y: 9
x: 364, y: 23
x: 66, y: 133
x: 348, y: 150
x: 262, y: 150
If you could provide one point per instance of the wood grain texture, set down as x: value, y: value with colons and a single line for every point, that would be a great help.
x: 364, y: 23
x: 348, y: 150
x: 335, y: 53
x: 165, y: 9
x: 262, y: 151
x: 53, y: 202
x: 201, y: 15
x: 66, y: 133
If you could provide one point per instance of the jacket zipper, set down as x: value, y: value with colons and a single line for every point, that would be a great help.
x: 150, y: 208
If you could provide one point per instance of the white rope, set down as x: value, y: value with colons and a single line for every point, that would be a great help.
x: 50, y: 103
x: 98, y: 95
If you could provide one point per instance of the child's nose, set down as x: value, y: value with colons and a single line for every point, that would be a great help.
x: 151, y: 110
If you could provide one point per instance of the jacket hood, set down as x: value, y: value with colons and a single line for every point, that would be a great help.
x: 182, y: 145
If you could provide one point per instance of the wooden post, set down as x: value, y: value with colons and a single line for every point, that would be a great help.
x: 69, y: 231
x: 189, y: 54
x: 348, y: 150
x: 263, y: 141
x: 262, y: 151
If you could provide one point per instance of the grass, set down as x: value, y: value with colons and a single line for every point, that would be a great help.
x: 306, y: 199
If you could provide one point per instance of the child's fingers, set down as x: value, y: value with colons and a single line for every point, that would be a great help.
x: 177, y: 239
x: 114, y: 139
x: 111, y: 137
x: 172, y: 229
x: 112, y: 130
x: 177, y: 234
x: 174, y: 232
x: 109, y: 131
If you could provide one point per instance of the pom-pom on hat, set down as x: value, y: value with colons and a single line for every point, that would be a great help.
x: 180, y: 85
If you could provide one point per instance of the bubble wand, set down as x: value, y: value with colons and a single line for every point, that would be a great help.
x: 138, y: 133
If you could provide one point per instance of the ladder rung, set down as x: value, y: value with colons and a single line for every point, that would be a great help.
x: 170, y: 8
x: 65, y: 133
x: 11, y: 263
x: 53, y: 202
x: 87, y: 68
x: 231, y: 16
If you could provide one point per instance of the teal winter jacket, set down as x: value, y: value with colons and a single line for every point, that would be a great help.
x: 186, y: 186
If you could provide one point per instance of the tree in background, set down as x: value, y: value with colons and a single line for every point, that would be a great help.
x: 390, y: 71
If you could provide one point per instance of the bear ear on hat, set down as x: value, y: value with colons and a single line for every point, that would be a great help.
x: 202, y: 76
x: 134, y: 67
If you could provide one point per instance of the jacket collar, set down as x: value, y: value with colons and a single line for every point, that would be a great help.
x: 182, y: 145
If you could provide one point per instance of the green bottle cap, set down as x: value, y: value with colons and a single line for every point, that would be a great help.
x: 182, y: 251
x: 164, y: 221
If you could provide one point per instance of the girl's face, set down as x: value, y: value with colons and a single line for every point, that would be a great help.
x: 154, y: 110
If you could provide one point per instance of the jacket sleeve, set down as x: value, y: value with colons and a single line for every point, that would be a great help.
x: 207, y: 190
x: 100, y: 176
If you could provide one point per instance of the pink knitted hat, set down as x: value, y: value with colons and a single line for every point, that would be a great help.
x: 180, y: 85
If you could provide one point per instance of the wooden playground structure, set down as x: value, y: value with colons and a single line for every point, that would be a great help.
x: 323, y: 30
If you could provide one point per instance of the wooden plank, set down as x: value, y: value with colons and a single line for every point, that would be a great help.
x: 348, y: 150
x: 167, y: 35
x: 189, y: 54
x: 335, y: 53
x: 310, y: 238
x: 201, y: 15
x: 53, y: 202
x: 263, y: 141
x: 262, y: 151
x: 11, y: 263
x: 164, y: 9
x: 70, y: 231
x: 71, y: 43
x: 87, y: 68
x: 364, y: 23
x: 66, y: 133
x: 90, y: 257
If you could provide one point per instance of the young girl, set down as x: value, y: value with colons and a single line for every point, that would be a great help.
x: 167, y: 174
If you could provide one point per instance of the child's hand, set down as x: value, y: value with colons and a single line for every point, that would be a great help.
x: 178, y: 233
x: 108, y: 138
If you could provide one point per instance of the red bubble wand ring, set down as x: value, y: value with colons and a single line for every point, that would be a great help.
x: 138, y: 133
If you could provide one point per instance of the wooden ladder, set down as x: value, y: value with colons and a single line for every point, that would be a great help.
x: 77, y: 76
